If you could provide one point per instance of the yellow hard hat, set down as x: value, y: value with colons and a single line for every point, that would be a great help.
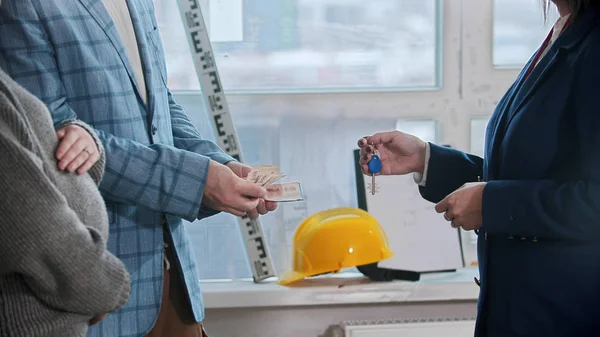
x: 334, y: 239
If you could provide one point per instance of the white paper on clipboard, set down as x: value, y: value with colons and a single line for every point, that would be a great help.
x: 419, y: 237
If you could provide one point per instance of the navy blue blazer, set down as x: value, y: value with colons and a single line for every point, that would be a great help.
x: 539, y: 244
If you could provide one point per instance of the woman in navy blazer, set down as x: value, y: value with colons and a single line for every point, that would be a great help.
x: 535, y: 198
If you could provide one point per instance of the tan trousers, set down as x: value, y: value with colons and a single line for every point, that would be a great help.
x: 175, y: 318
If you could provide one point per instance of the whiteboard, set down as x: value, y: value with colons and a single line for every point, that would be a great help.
x: 420, y: 238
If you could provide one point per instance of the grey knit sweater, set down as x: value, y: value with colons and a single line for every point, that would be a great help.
x: 55, y: 271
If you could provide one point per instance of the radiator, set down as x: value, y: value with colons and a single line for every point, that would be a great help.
x: 424, y: 327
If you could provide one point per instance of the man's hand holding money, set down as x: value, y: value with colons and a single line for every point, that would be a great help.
x: 266, y: 175
x: 264, y: 206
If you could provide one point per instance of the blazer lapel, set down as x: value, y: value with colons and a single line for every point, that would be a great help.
x: 502, y: 115
x: 100, y: 14
x: 533, y: 82
x: 571, y: 35
x: 524, y: 87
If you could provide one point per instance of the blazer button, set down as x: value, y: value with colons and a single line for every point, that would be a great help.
x: 511, y: 237
x: 154, y: 129
x: 534, y: 239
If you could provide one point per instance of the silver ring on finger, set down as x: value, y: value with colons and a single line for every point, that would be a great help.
x: 454, y: 225
x: 447, y: 217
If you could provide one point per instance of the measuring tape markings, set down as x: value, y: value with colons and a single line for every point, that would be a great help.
x: 212, y: 90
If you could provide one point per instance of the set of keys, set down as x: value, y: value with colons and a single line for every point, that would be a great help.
x: 374, y: 168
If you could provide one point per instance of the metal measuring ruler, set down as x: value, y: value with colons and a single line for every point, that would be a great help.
x: 212, y: 90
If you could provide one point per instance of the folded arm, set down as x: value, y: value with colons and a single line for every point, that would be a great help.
x: 65, y: 263
x: 97, y: 170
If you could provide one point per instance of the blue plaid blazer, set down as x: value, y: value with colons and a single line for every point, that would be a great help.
x: 68, y: 53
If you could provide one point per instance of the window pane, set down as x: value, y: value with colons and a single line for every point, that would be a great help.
x: 426, y: 129
x: 478, y: 131
x: 519, y: 30
x: 288, y: 45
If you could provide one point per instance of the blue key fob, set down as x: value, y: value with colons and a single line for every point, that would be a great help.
x: 375, y: 163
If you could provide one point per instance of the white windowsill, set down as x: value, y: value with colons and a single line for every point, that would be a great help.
x: 341, y: 289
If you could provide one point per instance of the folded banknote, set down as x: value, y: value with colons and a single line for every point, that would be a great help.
x: 267, y: 175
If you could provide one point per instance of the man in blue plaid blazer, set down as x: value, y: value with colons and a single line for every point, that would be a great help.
x: 72, y: 55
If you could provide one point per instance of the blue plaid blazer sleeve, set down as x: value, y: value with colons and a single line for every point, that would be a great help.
x: 160, y: 177
x: 186, y: 136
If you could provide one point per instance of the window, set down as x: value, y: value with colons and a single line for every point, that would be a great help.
x: 308, y: 45
x: 478, y: 132
x: 427, y: 130
x: 519, y: 30
x: 307, y: 78
x: 345, y: 15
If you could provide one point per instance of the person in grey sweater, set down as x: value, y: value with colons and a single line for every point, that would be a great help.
x: 56, y: 276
